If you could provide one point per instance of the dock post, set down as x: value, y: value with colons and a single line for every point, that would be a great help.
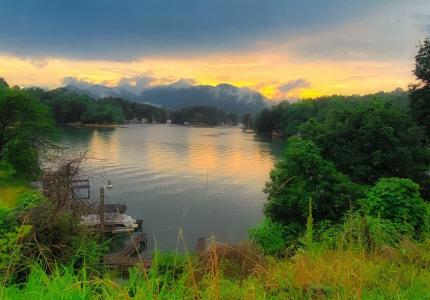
x: 201, y: 245
x: 102, y: 209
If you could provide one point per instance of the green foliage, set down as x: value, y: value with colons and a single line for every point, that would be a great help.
x: 303, y: 174
x: 103, y: 114
x: 11, y: 252
x: 199, y: 115
x: 25, y: 128
x: 400, y: 272
x: 3, y: 83
x: 420, y: 106
x: 422, y: 62
x: 87, y: 248
x: 247, y: 120
x: 55, y: 231
x: 270, y: 236
x: 169, y: 267
x: 138, y: 111
x: 420, y: 93
x: 33, y: 229
x: 24, y: 158
x: 267, y: 120
x: 68, y: 106
x: 287, y: 117
x: 356, y: 231
x: 399, y: 201
x: 29, y: 199
x: 9, y: 217
x: 309, y: 234
x: 371, y: 140
x: 7, y: 171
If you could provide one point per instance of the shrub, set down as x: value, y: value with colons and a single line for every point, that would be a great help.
x: 302, y: 175
x: 372, y: 140
x: 7, y: 171
x: 270, y: 236
x: 358, y: 231
x: 399, y: 201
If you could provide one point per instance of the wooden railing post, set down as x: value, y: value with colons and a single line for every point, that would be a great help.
x: 102, y: 209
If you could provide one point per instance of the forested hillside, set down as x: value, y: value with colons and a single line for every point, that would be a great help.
x: 69, y: 107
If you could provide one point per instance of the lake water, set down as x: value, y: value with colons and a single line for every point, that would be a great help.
x: 204, y: 181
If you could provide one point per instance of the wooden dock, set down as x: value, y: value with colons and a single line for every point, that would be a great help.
x: 135, y: 245
x: 201, y: 245
x: 128, y: 256
x: 126, y: 261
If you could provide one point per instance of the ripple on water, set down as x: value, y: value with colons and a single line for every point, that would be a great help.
x: 207, y: 180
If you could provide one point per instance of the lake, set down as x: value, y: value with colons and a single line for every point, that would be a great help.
x: 203, y: 181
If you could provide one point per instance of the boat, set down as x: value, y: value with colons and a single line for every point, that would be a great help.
x: 114, y: 222
x: 114, y: 219
x: 109, y: 185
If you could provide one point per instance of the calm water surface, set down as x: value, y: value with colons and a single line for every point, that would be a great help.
x: 207, y: 181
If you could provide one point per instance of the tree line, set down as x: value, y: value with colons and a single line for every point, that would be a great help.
x: 68, y: 106
x: 363, y: 155
x: 203, y: 115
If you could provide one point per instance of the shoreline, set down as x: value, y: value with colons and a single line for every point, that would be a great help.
x: 93, y: 125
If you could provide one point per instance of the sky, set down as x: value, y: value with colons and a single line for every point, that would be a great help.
x: 286, y: 49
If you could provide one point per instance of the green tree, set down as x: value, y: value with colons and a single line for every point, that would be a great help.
x: 420, y: 93
x: 198, y: 115
x: 247, y: 120
x: 103, y: 113
x: 231, y: 118
x: 270, y: 236
x: 301, y: 175
x: 267, y: 120
x: 370, y: 140
x: 397, y: 200
x: 26, y: 127
x: 3, y: 83
x: 287, y: 117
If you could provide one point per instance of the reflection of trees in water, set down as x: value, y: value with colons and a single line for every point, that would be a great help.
x: 101, y: 145
x: 83, y: 134
x: 269, y: 145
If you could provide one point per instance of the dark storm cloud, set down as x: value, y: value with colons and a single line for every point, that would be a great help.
x: 127, y: 29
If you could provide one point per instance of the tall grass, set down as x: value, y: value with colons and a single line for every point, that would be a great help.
x: 239, y: 272
x: 348, y: 269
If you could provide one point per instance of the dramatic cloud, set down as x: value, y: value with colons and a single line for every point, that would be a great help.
x: 390, y: 33
x: 131, y: 85
x: 341, y: 47
x: 129, y: 29
x: 293, y: 85
x: 183, y: 83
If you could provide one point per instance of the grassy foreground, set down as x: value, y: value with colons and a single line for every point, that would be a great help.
x: 241, y: 272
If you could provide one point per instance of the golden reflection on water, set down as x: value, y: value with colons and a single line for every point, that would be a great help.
x: 231, y: 155
x: 208, y: 180
x: 104, y: 146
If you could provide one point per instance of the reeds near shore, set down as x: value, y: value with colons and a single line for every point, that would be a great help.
x: 242, y: 272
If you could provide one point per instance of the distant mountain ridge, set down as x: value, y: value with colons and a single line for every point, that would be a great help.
x: 226, y: 97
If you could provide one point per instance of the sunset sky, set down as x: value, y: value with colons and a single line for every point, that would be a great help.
x: 282, y: 48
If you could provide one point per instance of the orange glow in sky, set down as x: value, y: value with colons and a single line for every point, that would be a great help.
x: 283, y: 49
x: 264, y: 72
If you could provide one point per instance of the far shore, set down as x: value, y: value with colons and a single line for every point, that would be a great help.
x: 78, y: 124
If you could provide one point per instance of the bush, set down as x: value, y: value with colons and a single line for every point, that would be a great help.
x: 372, y: 140
x: 358, y: 231
x: 270, y: 236
x: 399, y: 201
x: 7, y: 171
x: 302, y: 175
